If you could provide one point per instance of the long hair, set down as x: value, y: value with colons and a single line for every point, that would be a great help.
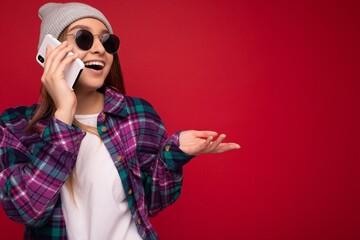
x: 46, y: 106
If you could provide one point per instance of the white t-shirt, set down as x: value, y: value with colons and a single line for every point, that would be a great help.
x: 100, y: 210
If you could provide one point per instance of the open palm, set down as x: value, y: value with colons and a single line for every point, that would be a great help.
x: 199, y: 142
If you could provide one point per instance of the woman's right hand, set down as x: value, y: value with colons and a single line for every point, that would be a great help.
x: 53, y: 81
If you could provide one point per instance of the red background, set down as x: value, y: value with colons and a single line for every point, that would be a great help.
x: 279, y: 77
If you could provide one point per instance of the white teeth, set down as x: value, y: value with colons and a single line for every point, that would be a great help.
x: 94, y: 63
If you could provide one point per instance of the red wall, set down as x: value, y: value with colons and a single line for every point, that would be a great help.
x: 279, y: 77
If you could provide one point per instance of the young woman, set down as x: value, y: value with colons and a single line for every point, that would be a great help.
x: 92, y: 163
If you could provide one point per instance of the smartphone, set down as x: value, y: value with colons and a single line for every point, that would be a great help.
x: 72, y: 72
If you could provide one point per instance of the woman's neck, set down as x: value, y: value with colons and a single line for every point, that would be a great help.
x: 89, y: 102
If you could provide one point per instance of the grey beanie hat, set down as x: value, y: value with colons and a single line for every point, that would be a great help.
x: 57, y: 16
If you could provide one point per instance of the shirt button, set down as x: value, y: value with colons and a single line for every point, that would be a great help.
x: 167, y: 148
x: 104, y: 129
x: 119, y: 158
x: 139, y: 221
x: 130, y: 191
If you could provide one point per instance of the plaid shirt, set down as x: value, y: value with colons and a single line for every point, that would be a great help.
x: 35, y: 165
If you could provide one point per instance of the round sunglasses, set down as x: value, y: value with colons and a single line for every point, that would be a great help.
x: 85, y: 39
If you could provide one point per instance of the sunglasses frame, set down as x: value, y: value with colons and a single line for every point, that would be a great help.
x: 111, y: 37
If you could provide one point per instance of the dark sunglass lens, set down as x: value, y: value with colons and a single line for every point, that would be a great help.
x: 84, y: 39
x: 111, y: 43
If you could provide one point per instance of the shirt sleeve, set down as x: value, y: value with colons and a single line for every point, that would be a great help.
x: 33, y: 168
x: 161, y: 162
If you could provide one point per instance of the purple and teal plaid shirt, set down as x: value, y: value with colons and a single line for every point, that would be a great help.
x: 35, y: 165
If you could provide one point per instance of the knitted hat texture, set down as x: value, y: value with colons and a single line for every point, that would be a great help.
x: 56, y: 17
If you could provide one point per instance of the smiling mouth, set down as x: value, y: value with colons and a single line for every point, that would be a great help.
x: 94, y: 65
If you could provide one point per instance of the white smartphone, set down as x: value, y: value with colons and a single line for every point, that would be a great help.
x: 72, y: 72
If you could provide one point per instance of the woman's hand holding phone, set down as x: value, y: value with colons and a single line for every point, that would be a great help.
x: 53, y: 79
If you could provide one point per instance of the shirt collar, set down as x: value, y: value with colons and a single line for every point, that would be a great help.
x: 115, y: 103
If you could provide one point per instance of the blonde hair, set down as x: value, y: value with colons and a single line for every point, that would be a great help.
x: 46, y: 106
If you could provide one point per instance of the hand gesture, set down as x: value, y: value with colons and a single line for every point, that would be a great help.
x: 198, y: 142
